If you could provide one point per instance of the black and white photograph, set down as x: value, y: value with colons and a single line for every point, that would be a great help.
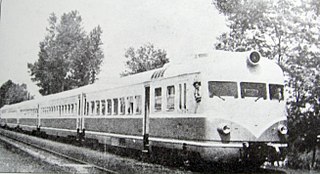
x: 160, y: 86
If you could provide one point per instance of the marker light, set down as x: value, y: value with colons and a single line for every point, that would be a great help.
x: 282, y: 129
x: 254, y: 58
x: 224, y: 128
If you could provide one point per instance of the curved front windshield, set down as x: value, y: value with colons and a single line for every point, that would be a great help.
x: 249, y: 89
x: 276, y: 92
x: 217, y: 88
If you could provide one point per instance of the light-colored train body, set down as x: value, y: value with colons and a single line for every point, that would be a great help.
x: 241, y: 108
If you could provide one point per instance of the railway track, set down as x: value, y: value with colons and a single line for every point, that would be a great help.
x: 79, y: 159
x: 66, y: 163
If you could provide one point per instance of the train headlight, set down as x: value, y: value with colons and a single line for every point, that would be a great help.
x: 224, y: 128
x: 254, y: 58
x: 283, y: 129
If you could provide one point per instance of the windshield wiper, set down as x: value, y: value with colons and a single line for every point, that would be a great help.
x: 258, y: 98
x: 213, y: 94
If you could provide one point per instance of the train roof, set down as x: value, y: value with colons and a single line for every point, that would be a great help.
x: 220, y: 64
x: 217, y: 64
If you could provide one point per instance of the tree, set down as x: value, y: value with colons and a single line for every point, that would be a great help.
x: 11, y: 93
x: 87, y: 58
x: 68, y: 57
x: 145, y: 58
x: 288, y: 33
x: 3, y: 91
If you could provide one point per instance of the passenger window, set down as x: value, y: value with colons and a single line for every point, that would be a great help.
x: 158, y: 99
x: 115, y: 106
x: 170, y: 97
x: 98, y: 107
x: 103, y: 107
x: 138, y: 104
x: 122, y: 106
x: 88, y: 108
x: 72, y: 108
x: 62, y: 109
x: 109, y: 107
x: 92, y: 107
x: 276, y: 92
x: 130, y: 105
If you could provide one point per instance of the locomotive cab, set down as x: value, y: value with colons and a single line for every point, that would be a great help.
x: 244, y: 107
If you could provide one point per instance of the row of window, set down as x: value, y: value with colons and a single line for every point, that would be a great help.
x: 61, y: 109
x: 124, y: 105
x: 133, y: 104
x: 170, y: 97
x: 29, y: 111
x: 248, y: 89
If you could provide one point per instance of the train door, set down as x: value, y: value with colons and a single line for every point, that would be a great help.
x: 146, y: 120
x: 38, y: 117
x: 81, y: 112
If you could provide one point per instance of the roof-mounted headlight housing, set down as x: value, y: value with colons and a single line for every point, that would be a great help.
x: 254, y: 58
x: 282, y: 129
x: 224, y: 129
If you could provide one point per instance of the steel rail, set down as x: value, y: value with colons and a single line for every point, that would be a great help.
x: 61, y: 155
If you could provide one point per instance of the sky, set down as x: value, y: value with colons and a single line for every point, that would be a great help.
x: 180, y: 27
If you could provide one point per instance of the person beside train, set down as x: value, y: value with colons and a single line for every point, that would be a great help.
x: 197, y: 94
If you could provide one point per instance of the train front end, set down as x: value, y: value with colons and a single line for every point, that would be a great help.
x: 244, y: 106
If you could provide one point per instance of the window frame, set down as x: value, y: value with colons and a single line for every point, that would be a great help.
x: 170, y: 98
x: 230, y: 92
x: 138, y: 101
x: 158, y: 99
x: 260, y: 94
x: 272, y: 94
x: 115, y: 106
x: 103, y: 107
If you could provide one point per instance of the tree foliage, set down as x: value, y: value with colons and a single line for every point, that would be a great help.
x: 68, y: 57
x: 287, y: 32
x: 145, y: 58
x: 11, y: 93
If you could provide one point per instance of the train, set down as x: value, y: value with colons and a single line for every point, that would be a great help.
x: 217, y: 106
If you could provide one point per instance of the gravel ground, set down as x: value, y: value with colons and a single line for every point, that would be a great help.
x: 13, y: 160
